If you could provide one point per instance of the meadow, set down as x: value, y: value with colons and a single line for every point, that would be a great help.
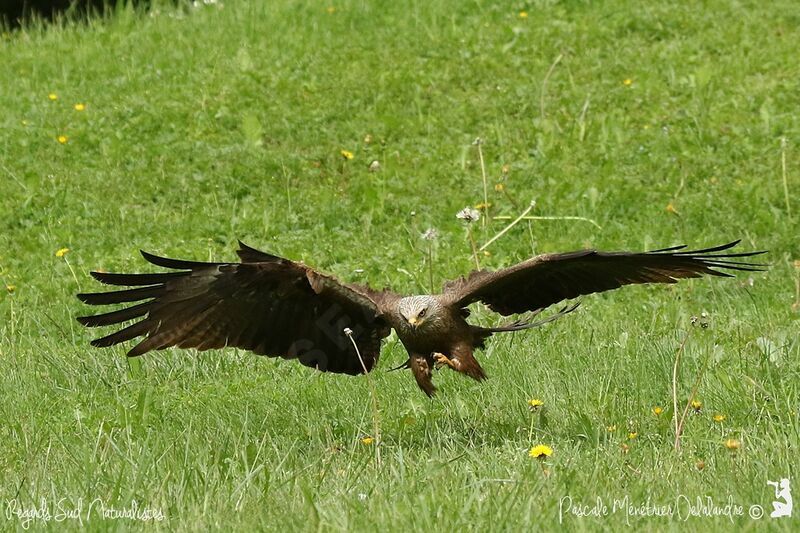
x: 183, y: 129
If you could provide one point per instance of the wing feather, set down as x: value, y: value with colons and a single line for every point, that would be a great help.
x: 266, y: 304
x: 547, y: 279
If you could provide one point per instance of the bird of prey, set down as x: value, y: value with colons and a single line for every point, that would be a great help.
x: 281, y: 308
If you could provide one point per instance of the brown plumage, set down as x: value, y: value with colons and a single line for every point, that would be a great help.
x: 277, y: 307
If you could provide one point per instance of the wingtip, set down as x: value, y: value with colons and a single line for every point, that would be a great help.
x: 84, y: 297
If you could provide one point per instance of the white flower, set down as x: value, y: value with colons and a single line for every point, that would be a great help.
x: 431, y: 234
x: 469, y: 215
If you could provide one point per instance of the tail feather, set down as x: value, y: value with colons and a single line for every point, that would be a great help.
x: 520, y: 325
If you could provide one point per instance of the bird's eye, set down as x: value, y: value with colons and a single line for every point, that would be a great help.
x: 421, y: 313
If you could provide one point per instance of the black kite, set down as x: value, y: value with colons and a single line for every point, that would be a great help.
x: 277, y: 307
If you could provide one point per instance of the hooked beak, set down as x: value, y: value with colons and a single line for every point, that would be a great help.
x: 414, y: 321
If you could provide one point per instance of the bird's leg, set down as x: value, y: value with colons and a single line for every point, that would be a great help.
x: 442, y: 360
x: 461, y: 360
x: 421, y: 368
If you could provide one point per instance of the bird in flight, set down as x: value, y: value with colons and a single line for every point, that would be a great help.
x: 282, y: 308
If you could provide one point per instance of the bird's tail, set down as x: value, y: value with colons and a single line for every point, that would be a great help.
x: 405, y: 365
x: 520, y: 325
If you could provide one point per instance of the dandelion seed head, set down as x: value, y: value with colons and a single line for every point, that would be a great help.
x: 469, y: 215
x: 430, y: 234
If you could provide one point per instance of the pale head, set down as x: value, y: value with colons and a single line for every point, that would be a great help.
x: 416, y: 310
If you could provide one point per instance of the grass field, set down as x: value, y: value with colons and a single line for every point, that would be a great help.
x: 670, y: 123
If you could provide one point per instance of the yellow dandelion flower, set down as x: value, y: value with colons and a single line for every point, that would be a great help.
x: 80, y: 107
x: 331, y: 10
x: 632, y: 435
x: 63, y: 139
x: 535, y: 403
x: 25, y: 122
x: 611, y: 428
x: 53, y: 97
x: 646, y: 127
x: 483, y: 205
x: 657, y: 410
x: 367, y: 440
x: 697, y: 405
x: 523, y: 14
x: 11, y: 288
x: 733, y: 444
x: 347, y: 154
x: 499, y: 187
x: 719, y: 418
x: 61, y: 252
x: 627, y: 82
x: 541, y: 451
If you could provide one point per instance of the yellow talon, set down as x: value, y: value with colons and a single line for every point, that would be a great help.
x: 442, y: 360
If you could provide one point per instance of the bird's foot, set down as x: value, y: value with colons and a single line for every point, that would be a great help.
x: 442, y: 360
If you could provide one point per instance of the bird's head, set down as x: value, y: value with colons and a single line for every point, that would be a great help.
x: 418, y: 311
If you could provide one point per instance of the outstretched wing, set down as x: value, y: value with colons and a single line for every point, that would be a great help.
x: 547, y: 279
x: 265, y: 304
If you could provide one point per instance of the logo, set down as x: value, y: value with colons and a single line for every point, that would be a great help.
x: 783, y: 491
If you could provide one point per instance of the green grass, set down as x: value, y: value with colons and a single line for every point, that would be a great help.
x: 207, y: 125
